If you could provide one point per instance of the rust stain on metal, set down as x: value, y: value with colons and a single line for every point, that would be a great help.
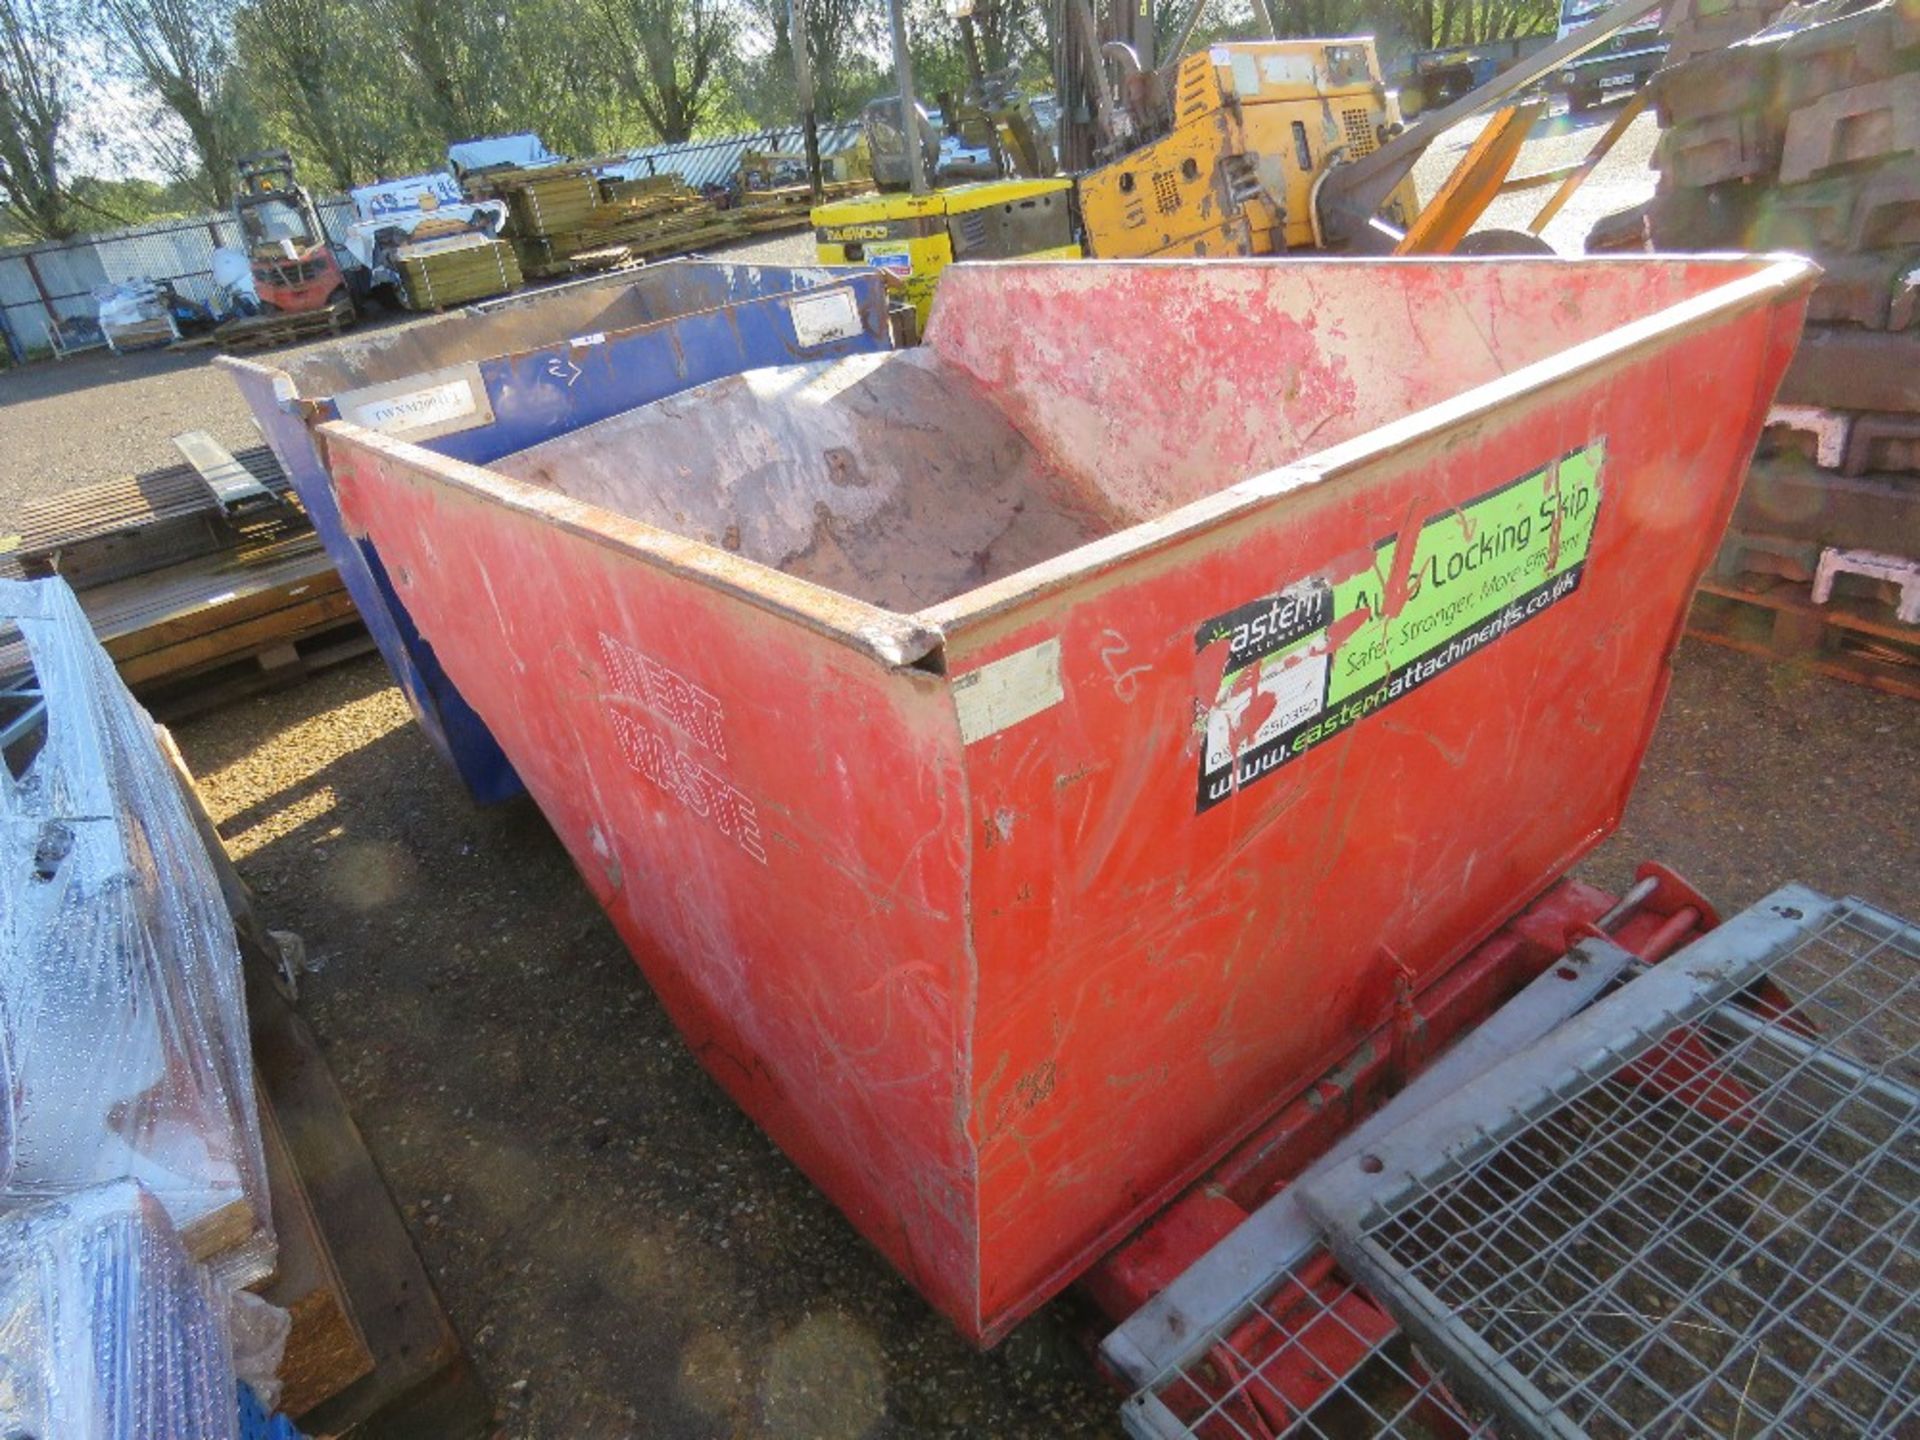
x: 1036, y: 1087
x: 1073, y: 777
x: 1559, y: 518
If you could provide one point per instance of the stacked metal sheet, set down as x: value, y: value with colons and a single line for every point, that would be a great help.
x: 1806, y: 137
x: 202, y: 585
x: 456, y: 270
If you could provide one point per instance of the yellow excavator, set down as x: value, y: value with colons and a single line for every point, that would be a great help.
x: 1247, y: 148
x: 1249, y: 131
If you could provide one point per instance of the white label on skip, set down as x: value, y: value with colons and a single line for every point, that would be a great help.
x: 451, y: 401
x: 823, y: 315
x: 421, y: 406
x: 1008, y: 690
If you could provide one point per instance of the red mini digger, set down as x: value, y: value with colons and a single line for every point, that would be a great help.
x: 295, y: 271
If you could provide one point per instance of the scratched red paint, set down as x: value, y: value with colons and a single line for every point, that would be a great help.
x: 1002, y: 1000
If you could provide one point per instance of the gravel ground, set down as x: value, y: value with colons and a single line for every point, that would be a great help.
x: 624, y: 1252
x: 1621, y: 180
x: 99, y: 415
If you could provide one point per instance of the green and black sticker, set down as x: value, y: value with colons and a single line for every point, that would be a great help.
x: 1322, y: 654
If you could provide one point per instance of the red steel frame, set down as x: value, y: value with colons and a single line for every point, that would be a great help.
x: 1306, y: 1358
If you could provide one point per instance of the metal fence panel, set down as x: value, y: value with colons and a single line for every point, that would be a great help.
x: 16, y: 285
x: 182, y: 254
x: 714, y: 162
x: 181, y: 251
x: 39, y: 282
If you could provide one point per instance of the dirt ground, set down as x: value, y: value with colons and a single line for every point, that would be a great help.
x: 623, y: 1251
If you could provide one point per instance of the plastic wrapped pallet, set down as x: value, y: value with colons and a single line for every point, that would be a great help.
x: 107, y: 1330
x: 123, y: 1026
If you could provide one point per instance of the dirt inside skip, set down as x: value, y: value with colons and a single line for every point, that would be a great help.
x: 890, y: 478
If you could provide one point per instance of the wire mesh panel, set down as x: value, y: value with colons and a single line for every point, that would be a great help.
x: 717, y: 161
x: 1709, y: 1229
x: 1315, y: 1357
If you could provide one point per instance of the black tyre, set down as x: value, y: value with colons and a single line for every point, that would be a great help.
x: 1503, y: 242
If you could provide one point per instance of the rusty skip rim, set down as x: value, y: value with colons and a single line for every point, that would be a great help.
x: 919, y: 639
x: 1778, y: 278
x: 287, y: 392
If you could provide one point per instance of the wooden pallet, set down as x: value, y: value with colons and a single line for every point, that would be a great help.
x: 261, y: 671
x: 206, y: 1237
x: 326, y: 1348
x: 187, y: 617
x: 607, y: 257
x: 263, y: 332
x: 422, y: 1385
x: 211, y: 630
x: 1776, y: 619
x: 790, y: 207
x: 774, y: 224
x: 685, y: 242
x: 203, y: 584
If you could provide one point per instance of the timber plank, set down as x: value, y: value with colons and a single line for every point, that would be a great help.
x: 326, y: 1350
x: 249, y: 637
x: 422, y: 1385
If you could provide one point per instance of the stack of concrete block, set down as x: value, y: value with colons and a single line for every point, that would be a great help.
x: 1699, y: 27
x: 1806, y: 138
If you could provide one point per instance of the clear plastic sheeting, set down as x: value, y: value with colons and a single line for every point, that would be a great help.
x: 107, y: 1330
x: 257, y: 1331
x: 123, y: 1027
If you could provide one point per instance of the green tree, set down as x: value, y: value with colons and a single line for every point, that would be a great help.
x: 559, y: 84
x: 454, y: 56
x: 1016, y: 32
x: 306, y: 65
x: 665, y: 55
x: 180, y: 52
x: 36, y: 96
x: 846, y: 41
